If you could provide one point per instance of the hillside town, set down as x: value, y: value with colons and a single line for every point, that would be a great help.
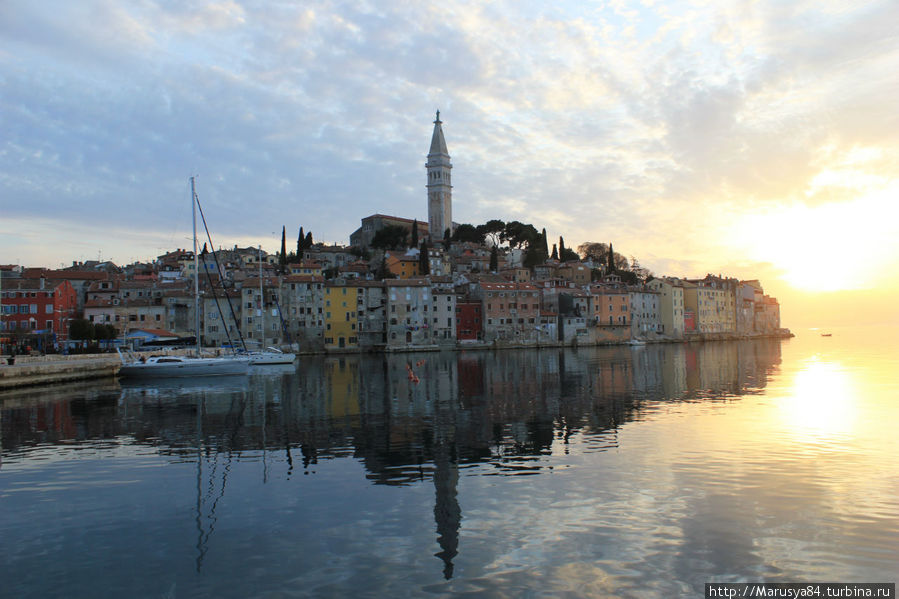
x: 399, y: 285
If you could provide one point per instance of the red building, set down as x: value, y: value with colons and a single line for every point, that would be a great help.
x: 37, y: 312
x: 469, y: 320
x: 689, y: 320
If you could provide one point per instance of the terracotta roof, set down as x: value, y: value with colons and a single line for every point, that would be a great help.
x: 304, y: 279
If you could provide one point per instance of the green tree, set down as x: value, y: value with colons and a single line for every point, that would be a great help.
x: 359, y: 252
x: 536, y: 250
x: 308, y: 243
x: 424, y: 261
x: 545, y: 242
x: 555, y: 254
x: 518, y: 234
x: 595, y: 251
x: 391, y: 237
x: 466, y: 232
x: 566, y: 254
x: 282, y: 257
x: 492, y: 229
x: 494, y: 259
x: 413, y: 243
x: 105, y: 332
x: 300, y: 240
x: 533, y: 255
x: 82, y: 330
x: 383, y: 272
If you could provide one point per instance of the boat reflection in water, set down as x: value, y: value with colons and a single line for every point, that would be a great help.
x: 606, y: 470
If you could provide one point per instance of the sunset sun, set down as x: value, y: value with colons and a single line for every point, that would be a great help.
x: 833, y: 246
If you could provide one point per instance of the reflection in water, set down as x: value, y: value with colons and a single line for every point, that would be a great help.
x: 819, y: 407
x: 655, y: 485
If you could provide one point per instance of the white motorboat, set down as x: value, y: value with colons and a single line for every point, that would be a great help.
x: 270, y: 355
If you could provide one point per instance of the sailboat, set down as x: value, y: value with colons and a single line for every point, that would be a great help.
x: 177, y: 366
x: 270, y: 355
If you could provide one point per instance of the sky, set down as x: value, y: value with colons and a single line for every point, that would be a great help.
x: 755, y: 139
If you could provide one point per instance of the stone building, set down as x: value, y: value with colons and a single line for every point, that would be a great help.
x: 440, y: 189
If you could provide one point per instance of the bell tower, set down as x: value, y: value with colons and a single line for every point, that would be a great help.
x: 440, y: 189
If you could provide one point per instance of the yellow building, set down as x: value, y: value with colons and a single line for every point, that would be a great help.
x: 404, y: 266
x: 713, y: 302
x: 341, y: 316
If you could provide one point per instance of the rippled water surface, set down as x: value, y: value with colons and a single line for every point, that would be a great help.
x: 598, y: 472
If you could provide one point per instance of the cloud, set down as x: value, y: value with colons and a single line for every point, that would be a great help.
x: 647, y: 125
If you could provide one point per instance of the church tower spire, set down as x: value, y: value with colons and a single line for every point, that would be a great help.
x: 440, y: 189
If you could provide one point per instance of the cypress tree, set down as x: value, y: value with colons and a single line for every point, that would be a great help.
x: 545, y: 244
x: 424, y: 262
x: 414, y: 242
x: 307, y: 243
x: 611, y: 259
x: 561, y: 248
x: 555, y: 254
x: 282, y: 259
x: 300, y: 244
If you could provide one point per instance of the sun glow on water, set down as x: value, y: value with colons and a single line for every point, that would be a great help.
x: 822, y: 404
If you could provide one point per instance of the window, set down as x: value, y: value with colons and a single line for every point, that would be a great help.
x: 48, y: 309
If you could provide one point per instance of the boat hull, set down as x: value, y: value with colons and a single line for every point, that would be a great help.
x: 188, y: 367
x: 265, y: 358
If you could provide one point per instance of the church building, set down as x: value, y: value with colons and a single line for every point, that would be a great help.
x: 440, y: 189
x: 440, y: 199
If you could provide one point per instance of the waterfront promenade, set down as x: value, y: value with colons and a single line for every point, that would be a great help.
x: 46, y: 370
x: 52, y: 369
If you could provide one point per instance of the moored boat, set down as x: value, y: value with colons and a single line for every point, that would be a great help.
x: 271, y: 355
x: 175, y: 366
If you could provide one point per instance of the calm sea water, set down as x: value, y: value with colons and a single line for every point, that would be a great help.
x: 600, y: 472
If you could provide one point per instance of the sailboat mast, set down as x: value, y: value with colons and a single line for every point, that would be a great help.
x: 193, y: 207
x: 261, y: 298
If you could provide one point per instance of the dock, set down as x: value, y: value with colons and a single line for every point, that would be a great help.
x: 44, y: 370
